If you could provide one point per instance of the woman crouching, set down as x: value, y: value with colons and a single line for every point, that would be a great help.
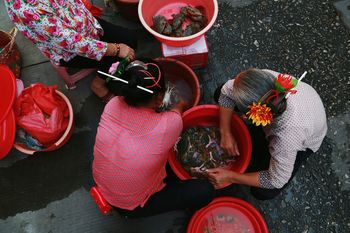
x: 132, y: 145
x: 287, y: 122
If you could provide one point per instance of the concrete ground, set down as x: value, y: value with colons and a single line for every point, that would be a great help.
x: 49, y: 192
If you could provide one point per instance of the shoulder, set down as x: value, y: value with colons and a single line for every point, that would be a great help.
x: 116, y: 103
x: 227, y: 88
x: 172, y: 117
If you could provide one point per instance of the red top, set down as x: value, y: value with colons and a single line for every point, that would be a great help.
x: 130, y: 152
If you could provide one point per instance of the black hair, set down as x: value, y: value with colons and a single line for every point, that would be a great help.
x: 137, y: 76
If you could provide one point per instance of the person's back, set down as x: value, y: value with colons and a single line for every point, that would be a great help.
x: 132, y: 146
x: 133, y: 142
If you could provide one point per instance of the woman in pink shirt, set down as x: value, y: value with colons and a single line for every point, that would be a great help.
x: 132, y: 145
x: 67, y: 33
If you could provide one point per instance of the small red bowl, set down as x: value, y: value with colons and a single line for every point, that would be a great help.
x: 62, y: 140
x: 149, y: 8
x: 243, y: 214
x: 208, y: 115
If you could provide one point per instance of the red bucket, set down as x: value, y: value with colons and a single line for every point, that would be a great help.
x: 227, y: 214
x: 7, y: 117
x: 208, y: 115
x: 62, y: 140
x: 7, y: 90
x: 183, y: 77
x: 149, y: 8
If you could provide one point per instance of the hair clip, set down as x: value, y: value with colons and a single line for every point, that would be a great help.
x: 124, y: 81
x: 149, y: 75
x: 136, y: 63
x: 145, y: 71
x: 301, y: 77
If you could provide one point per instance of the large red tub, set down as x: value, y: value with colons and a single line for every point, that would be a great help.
x: 149, y: 8
x: 227, y: 214
x: 208, y: 115
x: 183, y: 77
x: 7, y: 117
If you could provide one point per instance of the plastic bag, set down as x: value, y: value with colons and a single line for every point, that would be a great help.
x: 42, y: 113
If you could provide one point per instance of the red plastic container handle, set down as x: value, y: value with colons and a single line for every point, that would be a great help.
x: 102, y: 204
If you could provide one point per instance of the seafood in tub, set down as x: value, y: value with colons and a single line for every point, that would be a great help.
x: 188, y: 21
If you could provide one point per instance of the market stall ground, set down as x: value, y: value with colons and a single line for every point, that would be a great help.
x: 49, y: 192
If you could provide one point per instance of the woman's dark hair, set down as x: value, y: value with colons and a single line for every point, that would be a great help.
x: 144, y: 73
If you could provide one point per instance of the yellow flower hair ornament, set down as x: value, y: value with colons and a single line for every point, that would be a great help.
x: 259, y: 114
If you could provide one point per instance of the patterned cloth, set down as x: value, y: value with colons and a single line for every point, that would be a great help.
x: 131, y: 151
x: 303, y: 125
x: 61, y: 29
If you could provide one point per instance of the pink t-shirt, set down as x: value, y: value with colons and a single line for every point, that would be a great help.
x: 131, y: 151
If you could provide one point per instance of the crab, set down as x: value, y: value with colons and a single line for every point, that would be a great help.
x: 192, y: 28
x: 168, y: 29
x: 198, y: 150
x: 178, y: 32
x: 177, y: 21
x: 194, y: 13
x: 171, y: 97
x: 161, y: 25
x: 159, y: 22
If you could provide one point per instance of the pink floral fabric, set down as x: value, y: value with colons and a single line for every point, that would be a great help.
x: 61, y: 29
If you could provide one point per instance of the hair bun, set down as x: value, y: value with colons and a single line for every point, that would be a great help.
x: 133, y: 81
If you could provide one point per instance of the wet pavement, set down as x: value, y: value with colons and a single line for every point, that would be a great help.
x: 48, y: 192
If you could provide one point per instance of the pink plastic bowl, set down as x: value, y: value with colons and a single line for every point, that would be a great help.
x: 149, y: 8
x: 208, y: 115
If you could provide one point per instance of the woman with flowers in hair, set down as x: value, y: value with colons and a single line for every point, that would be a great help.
x: 287, y: 122
x: 133, y: 142
x: 67, y: 33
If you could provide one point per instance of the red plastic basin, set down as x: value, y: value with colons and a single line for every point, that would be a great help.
x: 7, y: 90
x: 62, y: 140
x: 228, y: 214
x: 183, y: 77
x: 7, y: 133
x: 208, y: 115
x: 149, y: 8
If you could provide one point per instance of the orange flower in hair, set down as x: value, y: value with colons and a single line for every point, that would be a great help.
x: 259, y: 114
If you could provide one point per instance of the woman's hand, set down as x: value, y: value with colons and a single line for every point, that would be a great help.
x: 220, y: 177
x: 229, y: 144
x: 120, y: 50
x: 126, y: 51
